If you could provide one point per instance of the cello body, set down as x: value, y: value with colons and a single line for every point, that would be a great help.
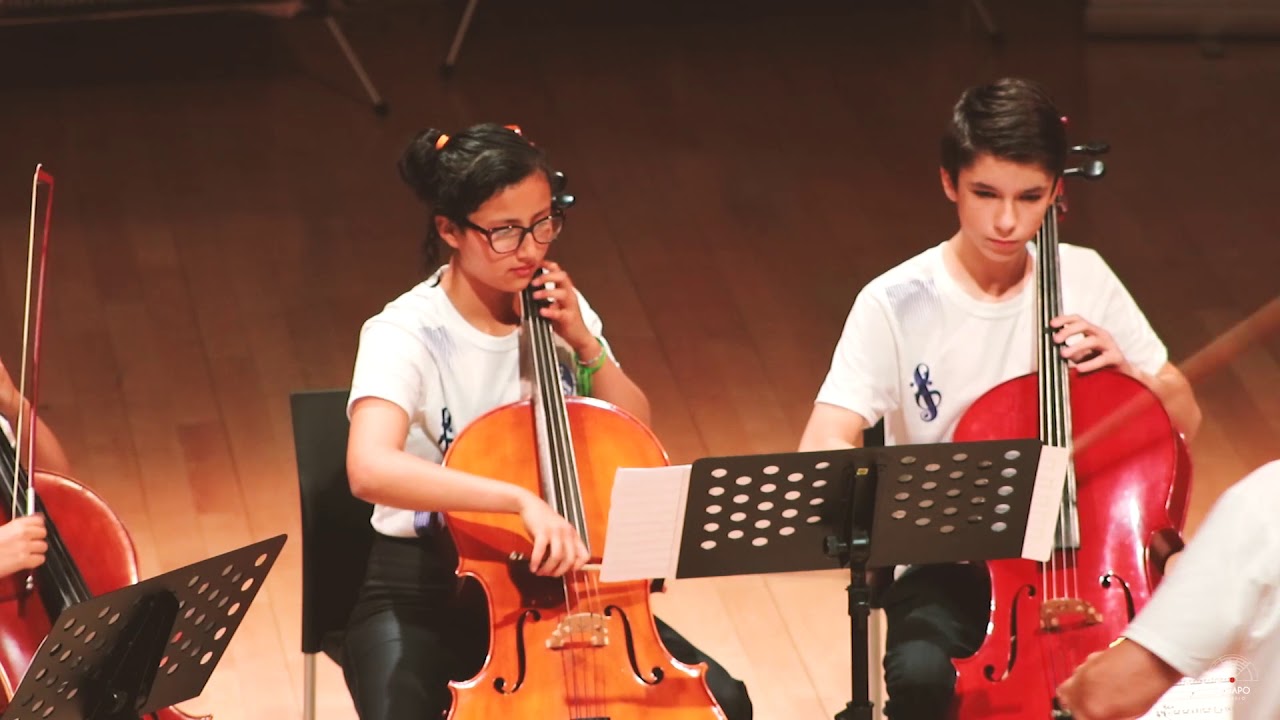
x: 1132, y: 485
x: 570, y: 647
x: 96, y: 548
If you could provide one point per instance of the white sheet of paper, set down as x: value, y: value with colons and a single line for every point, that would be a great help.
x: 1212, y: 696
x: 1046, y: 500
x: 646, y: 520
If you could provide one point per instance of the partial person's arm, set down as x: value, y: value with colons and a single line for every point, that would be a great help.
x: 831, y: 427
x: 380, y: 471
x: 579, y: 326
x: 50, y: 456
x: 611, y: 384
x: 1203, y: 609
x: 1131, y: 345
x: 1171, y: 386
x: 1097, y: 349
x: 859, y: 386
x: 1121, y: 682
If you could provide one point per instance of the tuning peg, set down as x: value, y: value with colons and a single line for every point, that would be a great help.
x: 558, y: 182
x: 563, y: 201
x: 1093, y: 148
x: 1091, y: 170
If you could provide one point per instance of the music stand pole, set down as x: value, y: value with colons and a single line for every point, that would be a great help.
x: 854, y: 552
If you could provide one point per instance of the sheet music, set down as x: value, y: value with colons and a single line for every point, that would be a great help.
x: 646, y: 521
x: 1046, y: 501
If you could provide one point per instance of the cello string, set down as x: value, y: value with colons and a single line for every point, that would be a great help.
x: 569, y: 504
x: 529, y: 312
x: 1050, y: 416
x: 544, y: 378
x: 1045, y: 381
x: 584, y: 582
x: 1069, y: 510
x: 1066, y: 575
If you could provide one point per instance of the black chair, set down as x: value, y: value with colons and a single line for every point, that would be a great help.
x: 336, y: 534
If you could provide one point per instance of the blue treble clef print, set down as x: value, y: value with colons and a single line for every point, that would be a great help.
x: 927, y: 399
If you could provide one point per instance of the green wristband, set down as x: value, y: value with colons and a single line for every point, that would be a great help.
x: 587, y: 369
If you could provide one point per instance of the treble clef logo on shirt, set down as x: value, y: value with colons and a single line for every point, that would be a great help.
x: 927, y: 399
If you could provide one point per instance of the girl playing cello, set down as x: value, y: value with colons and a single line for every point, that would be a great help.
x: 430, y: 363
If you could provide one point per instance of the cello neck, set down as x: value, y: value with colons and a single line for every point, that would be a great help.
x: 557, y: 462
x: 1055, y: 393
x: 1054, y: 385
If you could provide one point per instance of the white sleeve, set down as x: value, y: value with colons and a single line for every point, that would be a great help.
x: 1205, y: 605
x: 1128, y: 325
x: 864, y: 367
x: 391, y: 364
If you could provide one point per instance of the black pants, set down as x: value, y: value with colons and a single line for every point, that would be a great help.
x: 412, y: 632
x: 935, y: 613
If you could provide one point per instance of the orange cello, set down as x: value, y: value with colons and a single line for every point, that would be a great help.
x: 1121, y: 517
x: 89, y: 554
x: 571, y: 647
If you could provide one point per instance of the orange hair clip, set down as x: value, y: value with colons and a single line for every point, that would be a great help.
x: 442, y: 141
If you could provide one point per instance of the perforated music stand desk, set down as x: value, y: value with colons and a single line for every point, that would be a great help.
x: 143, y: 647
x: 869, y: 508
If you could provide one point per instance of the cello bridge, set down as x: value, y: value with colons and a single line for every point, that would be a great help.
x: 579, y: 630
x: 1067, y: 613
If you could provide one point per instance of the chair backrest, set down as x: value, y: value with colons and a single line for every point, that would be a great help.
x: 874, y: 435
x: 336, y: 535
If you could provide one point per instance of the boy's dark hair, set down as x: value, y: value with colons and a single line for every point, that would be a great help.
x: 455, y: 176
x: 1011, y: 119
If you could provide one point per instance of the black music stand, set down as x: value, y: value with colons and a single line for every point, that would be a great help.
x: 146, y: 646
x: 868, y: 508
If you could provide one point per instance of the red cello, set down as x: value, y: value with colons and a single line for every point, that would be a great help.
x: 1122, y: 513
x: 570, y: 647
x: 90, y: 554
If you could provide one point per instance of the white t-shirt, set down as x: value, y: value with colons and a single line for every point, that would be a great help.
x: 917, y: 350
x: 422, y: 355
x: 1220, y: 604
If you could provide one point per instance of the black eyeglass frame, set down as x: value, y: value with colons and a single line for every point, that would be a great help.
x: 556, y: 214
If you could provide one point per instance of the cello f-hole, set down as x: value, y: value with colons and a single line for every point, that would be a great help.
x: 500, y: 683
x: 655, y: 674
x: 989, y: 671
x: 1112, y: 579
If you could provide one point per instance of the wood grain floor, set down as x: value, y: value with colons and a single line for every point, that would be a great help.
x: 228, y: 214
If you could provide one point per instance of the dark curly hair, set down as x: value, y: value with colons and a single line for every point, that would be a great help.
x: 465, y: 171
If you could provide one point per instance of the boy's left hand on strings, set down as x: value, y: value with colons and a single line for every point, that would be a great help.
x: 563, y: 312
x: 1095, y: 349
